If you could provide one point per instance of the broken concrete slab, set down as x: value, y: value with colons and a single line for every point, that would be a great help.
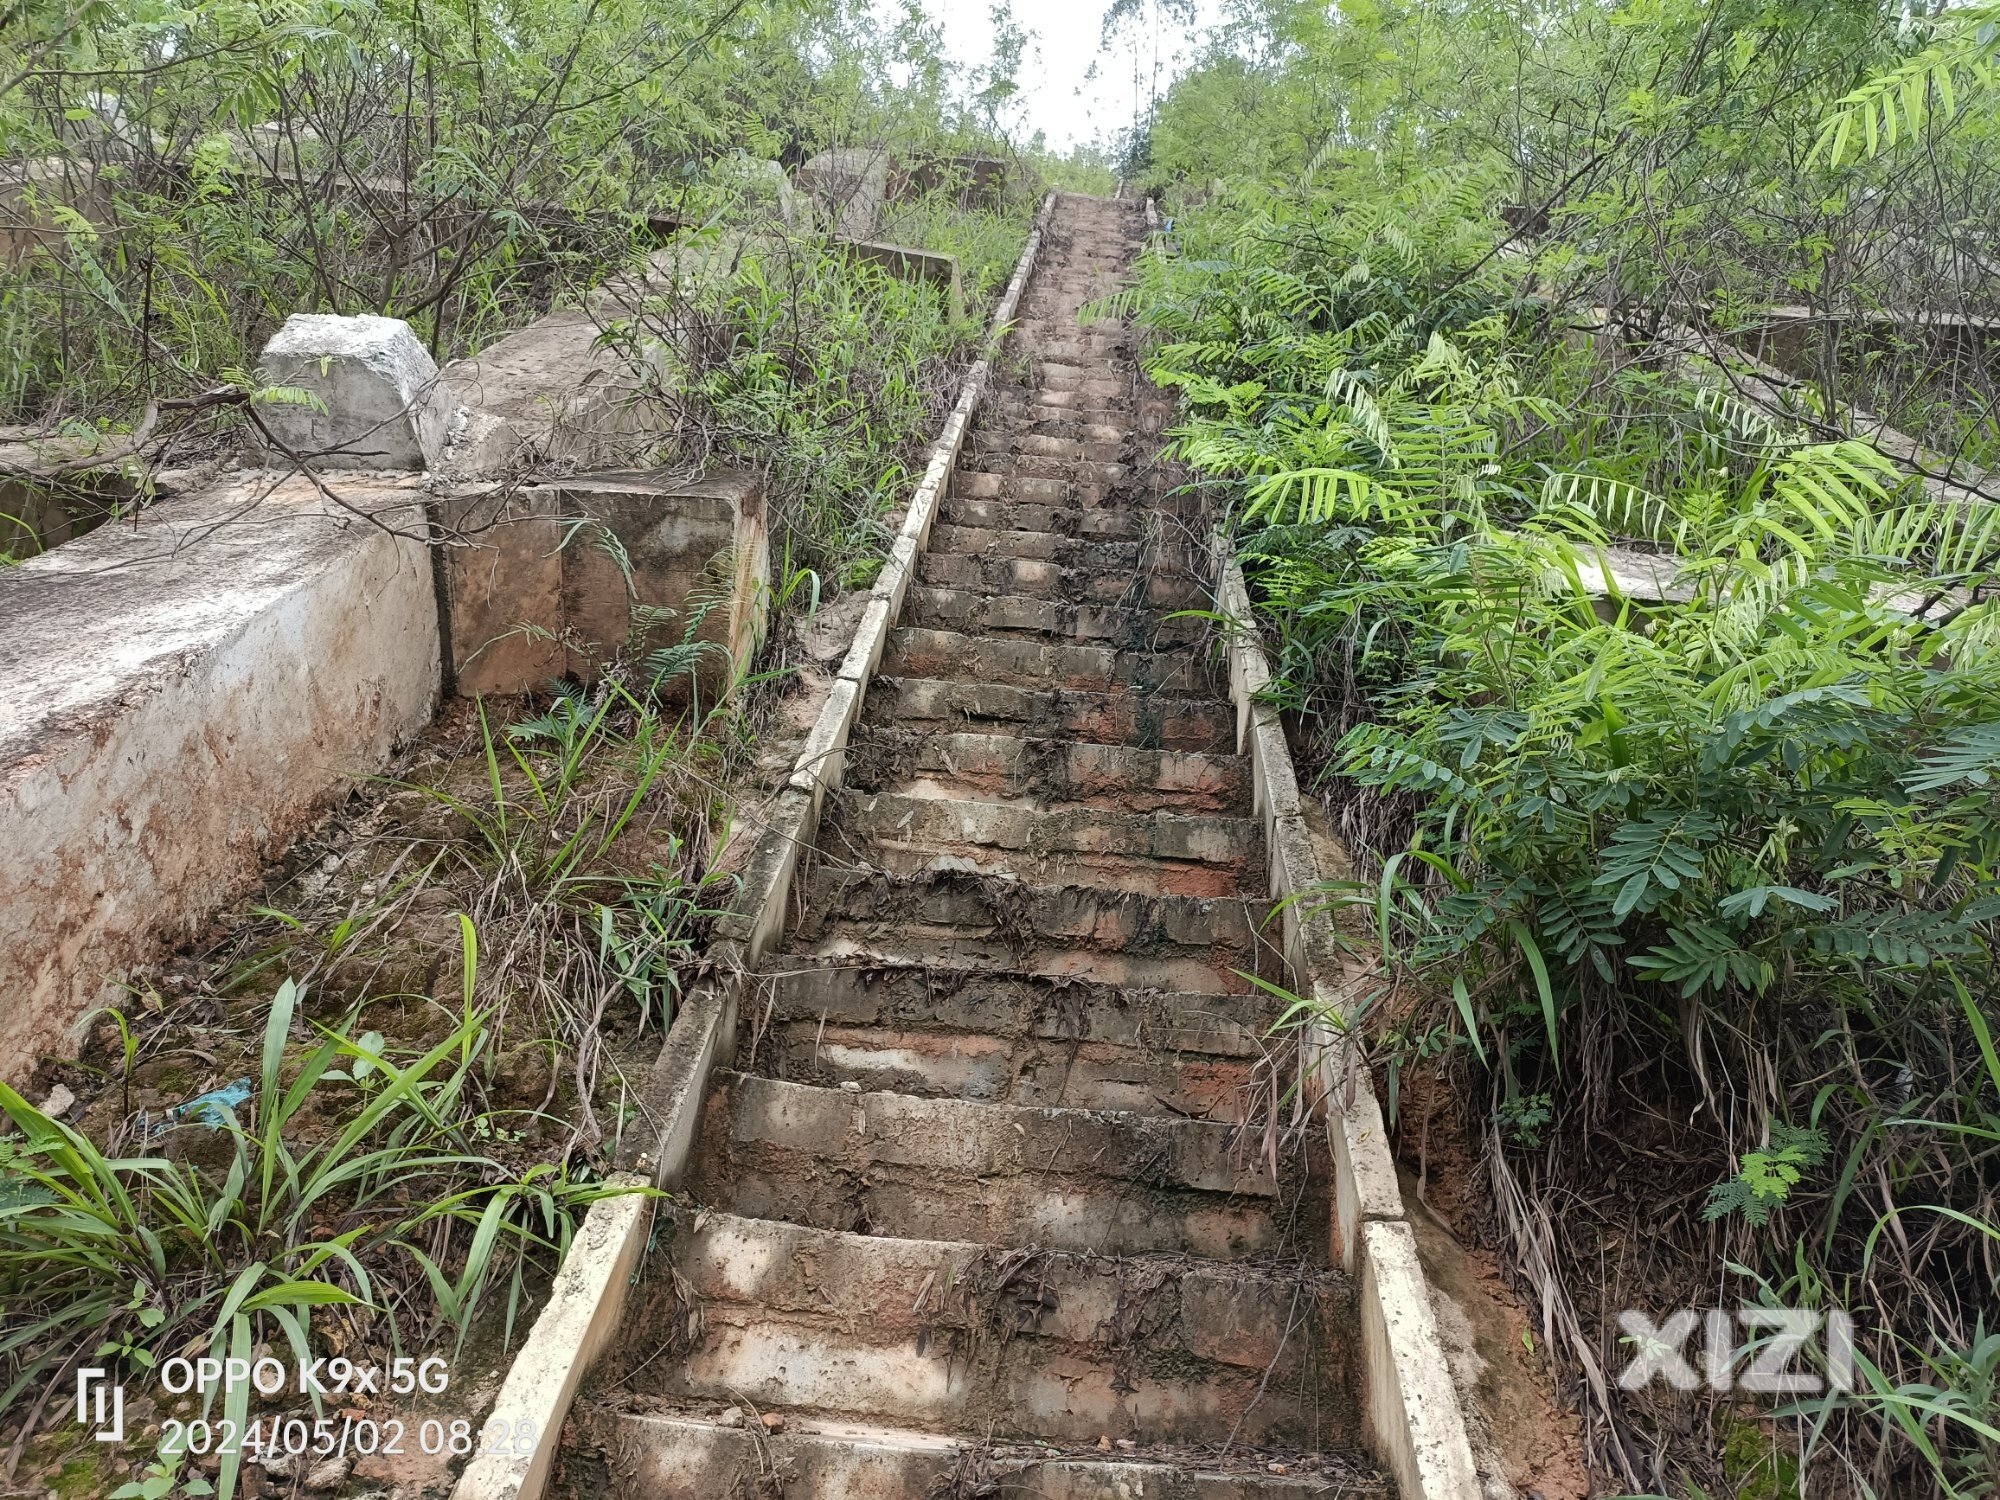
x: 849, y: 185
x: 911, y: 264
x: 567, y: 576
x: 549, y: 395
x: 372, y: 389
x: 189, y: 690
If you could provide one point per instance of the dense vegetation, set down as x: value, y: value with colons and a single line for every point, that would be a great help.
x: 444, y: 1005
x: 1662, y: 703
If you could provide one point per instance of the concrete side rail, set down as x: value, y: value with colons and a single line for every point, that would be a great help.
x: 1415, y: 1425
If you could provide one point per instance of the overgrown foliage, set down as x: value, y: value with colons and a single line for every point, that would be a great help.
x: 1669, y: 721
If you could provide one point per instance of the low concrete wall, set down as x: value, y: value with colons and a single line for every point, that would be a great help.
x: 185, y: 694
x: 544, y: 580
x: 911, y: 264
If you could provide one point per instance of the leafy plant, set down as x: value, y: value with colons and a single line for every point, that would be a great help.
x: 1768, y: 1176
x: 137, y: 1256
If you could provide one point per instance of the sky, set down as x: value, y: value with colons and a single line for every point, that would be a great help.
x: 1057, y: 95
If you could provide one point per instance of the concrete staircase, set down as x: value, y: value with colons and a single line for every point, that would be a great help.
x: 987, y: 1203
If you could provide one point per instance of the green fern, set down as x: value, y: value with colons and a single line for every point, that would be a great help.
x: 1766, y: 1179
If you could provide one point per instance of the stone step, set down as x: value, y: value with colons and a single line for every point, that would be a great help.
x: 998, y: 767
x: 1012, y: 1038
x: 684, y: 1456
x: 1131, y: 628
x: 1098, y: 523
x: 945, y: 949
x: 1151, y: 721
x: 1035, y: 578
x: 997, y: 439
x: 1166, y: 853
x: 1024, y: 662
x: 1000, y: 457
x: 836, y: 941
x: 1075, y: 554
x: 989, y: 483
x: 1175, y: 942
x: 1101, y: 1182
x: 1042, y: 421
x: 956, y: 1335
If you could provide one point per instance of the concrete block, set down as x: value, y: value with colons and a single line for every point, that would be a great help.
x: 849, y: 186
x: 547, y: 579
x: 893, y: 582
x: 1293, y: 869
x: 1412, y: 1415
x: 187, y: 692
x: 922, y: 514
x: 663, y: 1136
x: 871, y: 638
x: 1365, y: 1185
x: 911, y: 264
x: 583, y: 1311
x: 756, y: 918
x: 376, y: 384
x: 548, y: 394
x: 1276, y: 785
x: 973, y: 181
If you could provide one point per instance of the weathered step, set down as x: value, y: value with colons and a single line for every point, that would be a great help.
x: 679, y: 1456
x: 1030, y: 577
x: 1025, y: 914
x: 1000, y: 439
x: 1014, y: 1070
x: 1012, y: 1037
x: 1154, y: 721
x: 1048, y: 548
x: 1023, y: 417
x: 1165, y: 852
x: 998, y: 767
x: 1134, y: 524
x: 976, y: 1338
x: 917, y: 652
x: 1138, y: 628
x: 893, y: 1164
x: 1007, y: 1004
x: 1070, y: 492
x: 998, y: 456
x: 1029, y: 1070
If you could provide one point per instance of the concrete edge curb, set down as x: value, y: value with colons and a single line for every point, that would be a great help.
x: 1413, y: 1419
x: 582, y: 1313
x: 588, y: 1298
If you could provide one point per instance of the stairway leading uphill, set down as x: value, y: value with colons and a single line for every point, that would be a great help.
x: 987, y: 1205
